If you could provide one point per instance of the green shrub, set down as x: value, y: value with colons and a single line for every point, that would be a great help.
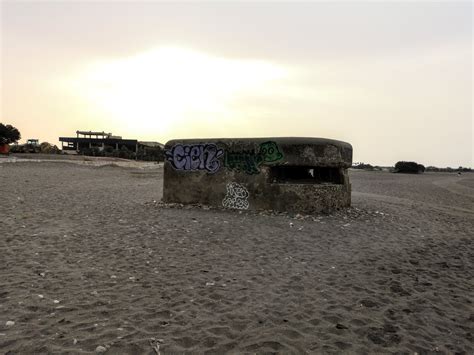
x: 363, y: 166
x: 48, y: 148
x: 409, y: 167
x: 9, y: 134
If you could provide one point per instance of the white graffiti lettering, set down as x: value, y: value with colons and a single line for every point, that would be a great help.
x: 236, y: 197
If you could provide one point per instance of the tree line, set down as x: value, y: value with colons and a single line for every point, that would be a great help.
x: 410, y: 167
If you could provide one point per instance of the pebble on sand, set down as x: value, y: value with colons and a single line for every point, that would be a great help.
x: 100, y: 349
x: 10, y: 323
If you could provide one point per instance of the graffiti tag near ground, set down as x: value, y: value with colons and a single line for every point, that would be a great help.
x: 249, y: 161
x: 195, y: 157
x: 236, y: 197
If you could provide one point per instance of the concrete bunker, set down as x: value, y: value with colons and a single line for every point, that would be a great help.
x: 298, y: 175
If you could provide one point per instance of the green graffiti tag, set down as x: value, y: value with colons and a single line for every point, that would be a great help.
x: 250, y: 161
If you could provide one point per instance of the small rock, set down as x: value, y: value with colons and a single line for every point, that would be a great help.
x: 10, y: 323
x: 74, y: 342
x: 56, y: 301
x: 341, y: 326
x: 100, y: 349
x: 40, y: 296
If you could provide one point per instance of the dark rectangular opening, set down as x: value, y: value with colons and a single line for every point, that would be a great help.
x: 305, y: 175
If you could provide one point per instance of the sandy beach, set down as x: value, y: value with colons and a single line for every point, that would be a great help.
x: 92, y: 261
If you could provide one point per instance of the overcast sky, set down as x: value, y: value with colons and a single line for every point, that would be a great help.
x: 394, y: 79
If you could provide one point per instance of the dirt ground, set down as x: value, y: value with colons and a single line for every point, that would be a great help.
x: 91, y: 261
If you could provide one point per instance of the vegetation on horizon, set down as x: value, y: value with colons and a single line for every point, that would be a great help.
x: 9, y: 134
x: 369, y: 167
x: 448, y: 169
x: 44, y: 147
x: 363, y: 166
x: 409, y: 167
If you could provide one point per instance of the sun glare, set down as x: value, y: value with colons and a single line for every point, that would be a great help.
x: 169, y: 87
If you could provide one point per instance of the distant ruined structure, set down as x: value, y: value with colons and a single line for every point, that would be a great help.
x: 300, y: 175
x: 88, y: 140
x: 102, y: 143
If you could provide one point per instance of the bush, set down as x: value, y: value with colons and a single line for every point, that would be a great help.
x: 15, y: 148
x: 363, y: 166
x: 433, y: 169
x: 93, y: 152
x: 9, y: 134
x: 48, y: 148
x: 151, y: 154
x: 409, y: 167
x: 123, y: 152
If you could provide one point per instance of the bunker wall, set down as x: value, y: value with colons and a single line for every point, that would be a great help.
x: 301, y: 175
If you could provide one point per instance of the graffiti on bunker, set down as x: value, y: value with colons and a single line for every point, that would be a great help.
x: 236, y: 197
x: 195, y: 157
x: 249, y: 161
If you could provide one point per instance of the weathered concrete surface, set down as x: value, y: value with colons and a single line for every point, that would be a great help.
x: 300, y: 175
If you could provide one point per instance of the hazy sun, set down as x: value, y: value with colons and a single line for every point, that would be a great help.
x: 167, y: 87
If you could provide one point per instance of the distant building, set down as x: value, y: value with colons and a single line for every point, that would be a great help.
x: 88, y: 140
x: 106, y: 144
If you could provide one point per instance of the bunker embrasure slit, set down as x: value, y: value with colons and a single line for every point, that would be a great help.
x: 305, y: 175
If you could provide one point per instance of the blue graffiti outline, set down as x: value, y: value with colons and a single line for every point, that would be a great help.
x: 195, y: 157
